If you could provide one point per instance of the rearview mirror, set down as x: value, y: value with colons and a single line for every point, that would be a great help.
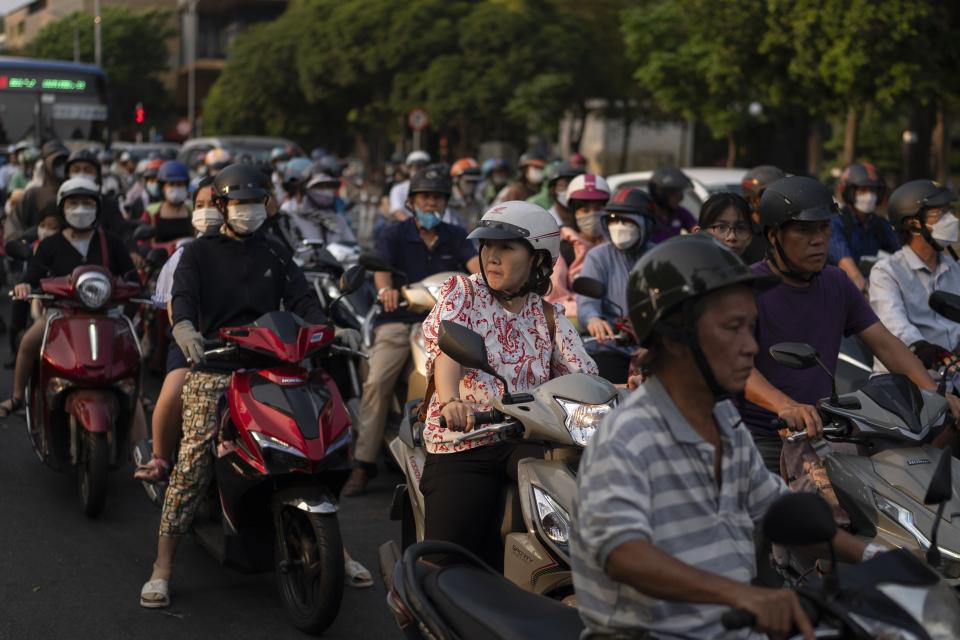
x: 373, y: 262
x: 589, y: 287
x: 795, y: 355
x: 799, y: 519
x: 144, y: 232
x: 946, y: 304
x: 463, y: 346
x: 18, y: 250
x: 941, y: 484
x: 352, y: 279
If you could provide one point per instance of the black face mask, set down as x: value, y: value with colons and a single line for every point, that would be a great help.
x: 169, y: 229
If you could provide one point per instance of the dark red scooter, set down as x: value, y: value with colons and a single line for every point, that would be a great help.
x: 82, y: 395
x: 282, y: 454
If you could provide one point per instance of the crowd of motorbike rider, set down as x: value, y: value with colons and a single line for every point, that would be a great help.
x: 706, y: 296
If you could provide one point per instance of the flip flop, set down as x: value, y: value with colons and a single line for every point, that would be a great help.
x: 9, y: 406
x: 155, y: 594
x: 357, y: 575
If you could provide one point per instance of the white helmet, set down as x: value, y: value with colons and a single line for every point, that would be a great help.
x: 418, y: 157
x: 78, y: 187
x: 519, y: 220
x: 588, y: 187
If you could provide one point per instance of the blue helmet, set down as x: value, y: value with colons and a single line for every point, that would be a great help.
x: 173, y: 171
x: 297, y: 169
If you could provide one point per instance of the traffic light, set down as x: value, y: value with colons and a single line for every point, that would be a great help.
x: 139, y: 113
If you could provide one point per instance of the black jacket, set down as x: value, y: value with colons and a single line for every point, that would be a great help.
x: 223, y: 282
x: 55, y: 256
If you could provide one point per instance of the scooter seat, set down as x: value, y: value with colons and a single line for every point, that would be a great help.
x: 479, y: 605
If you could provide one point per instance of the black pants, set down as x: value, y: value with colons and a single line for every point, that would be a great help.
x: 19, y: 322
x: 463, y: 496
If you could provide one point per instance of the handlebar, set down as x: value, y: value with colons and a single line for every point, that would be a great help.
x: 737, y: 619
x: 480, y: 417
x: 828, y: 430
x: 347, y: 351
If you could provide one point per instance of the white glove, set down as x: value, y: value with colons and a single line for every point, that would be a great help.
x: 189, y: 340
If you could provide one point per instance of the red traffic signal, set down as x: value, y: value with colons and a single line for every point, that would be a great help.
x: 139, y: 113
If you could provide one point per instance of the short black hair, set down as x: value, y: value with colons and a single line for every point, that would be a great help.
x: 206, y: 181
x: 716, y: 204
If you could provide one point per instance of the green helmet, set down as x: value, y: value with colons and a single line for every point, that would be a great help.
x: 679, y: 270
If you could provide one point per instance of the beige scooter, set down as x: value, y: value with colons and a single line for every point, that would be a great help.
x: 563, y: 414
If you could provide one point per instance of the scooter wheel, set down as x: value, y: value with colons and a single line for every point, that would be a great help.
x: 92, y: 473
x: 311, y: 578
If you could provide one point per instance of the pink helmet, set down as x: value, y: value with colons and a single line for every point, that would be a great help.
x: 588, y: 187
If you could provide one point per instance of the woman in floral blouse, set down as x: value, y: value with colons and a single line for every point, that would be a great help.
x: 528, y: 341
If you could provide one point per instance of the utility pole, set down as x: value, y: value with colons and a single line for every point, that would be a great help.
x: 190, y: 41
x: 97, y: 42
x: 76, y: 42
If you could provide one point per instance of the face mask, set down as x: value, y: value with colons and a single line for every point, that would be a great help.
x: 589, y: 224
x: 946, y: 230
x: 427, y: 219
x: 81, y: 217
x: 153, y: 188
x: 624, y: 235
x: 175, y: 195
x: 206, y: 217
x: 866, y: 202
x: 81, y: 174
x: 45, y: 232
x: 245, y: 219
x: 323, y: 198
x: 534, y: 175
x: 563, y: 198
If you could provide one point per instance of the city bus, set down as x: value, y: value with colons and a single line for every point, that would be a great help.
x: 42, y: 100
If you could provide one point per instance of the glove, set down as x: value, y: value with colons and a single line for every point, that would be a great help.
x: 930, y: 355
x: 349, y: 338
x: 189, y: 340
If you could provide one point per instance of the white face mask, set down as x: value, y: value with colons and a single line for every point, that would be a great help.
x: 534, y: 175
x: 81, y: 218
x: 866, y: 201
x: 205, y: 218
x: 624, y: 235
x: 175, y: 195
x: 563, y: 198
x: 246, y: 218
x: 946, y: 230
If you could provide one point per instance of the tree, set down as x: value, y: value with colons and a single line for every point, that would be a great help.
x: 134, y: 53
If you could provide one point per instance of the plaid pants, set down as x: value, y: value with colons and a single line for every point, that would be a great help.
x: 193, y: 471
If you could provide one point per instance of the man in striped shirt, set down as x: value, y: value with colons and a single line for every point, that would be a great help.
x: 671, y: 484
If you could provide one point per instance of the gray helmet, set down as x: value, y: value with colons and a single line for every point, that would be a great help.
x: 796, y: 199
x: 756, y: 180
x: 911, y: 198
x: 666, y: 179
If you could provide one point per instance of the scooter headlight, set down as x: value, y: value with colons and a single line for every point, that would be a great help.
x: 434, y: 290
x: 583, y: 419
x: 904, y: 517
x: 279, y: 454
x: 552, y: 519
x: 93, y: 289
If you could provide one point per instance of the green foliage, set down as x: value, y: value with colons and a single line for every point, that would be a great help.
x: 134, y: 52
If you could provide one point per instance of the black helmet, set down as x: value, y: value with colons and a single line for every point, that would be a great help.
x: 667, y: 179
x: 560, y: 170
x: 84, y: 155
x: 756, y: 180
x: 681, y: 269
x: 797, y: 199
x: 860, y: 174
x: 432, y: 179
x: 631, y: 200
x: 910, y: 199
x: 241, y: 182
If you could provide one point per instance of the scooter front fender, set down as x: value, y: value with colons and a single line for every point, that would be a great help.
x: 95, y: 409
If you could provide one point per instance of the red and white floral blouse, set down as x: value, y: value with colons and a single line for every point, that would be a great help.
x: 518, y: 346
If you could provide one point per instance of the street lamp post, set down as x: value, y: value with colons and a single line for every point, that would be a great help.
x: 191, y: 44
x: 97, y: 42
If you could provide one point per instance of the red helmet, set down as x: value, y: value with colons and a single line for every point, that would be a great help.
x: 588, y: 187
x: 464, y: 165
x: 860, y: 174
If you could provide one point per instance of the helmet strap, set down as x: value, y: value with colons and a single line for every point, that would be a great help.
x: 688, y: 336
x: 528, y: 286
x: 925, y: 234
x: 789, y: 270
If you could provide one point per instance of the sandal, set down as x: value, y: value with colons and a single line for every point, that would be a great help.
x: 358, y: 576
x: 10, y: 405
x: 155, y: 594
x: 154, y: 472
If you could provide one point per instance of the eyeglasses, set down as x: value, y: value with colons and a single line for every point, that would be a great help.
x: 722, y: 229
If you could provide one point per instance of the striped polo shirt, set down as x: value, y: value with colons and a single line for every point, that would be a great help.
x: 647, y: 475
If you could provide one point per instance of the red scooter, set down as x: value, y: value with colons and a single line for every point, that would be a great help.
x: 282, y: 453
x: 82, y: 396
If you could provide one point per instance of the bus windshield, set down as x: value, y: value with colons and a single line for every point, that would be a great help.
x: 43, y: 99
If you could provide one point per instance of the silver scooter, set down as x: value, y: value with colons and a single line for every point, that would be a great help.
x: 562, y: 413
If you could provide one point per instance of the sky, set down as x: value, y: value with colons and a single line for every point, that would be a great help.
x: 8, y: 5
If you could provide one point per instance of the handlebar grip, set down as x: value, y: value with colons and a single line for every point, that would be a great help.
x: 479, y: 418
x: 212, y: 343
x: 779, y: 423
x: 737, y: 619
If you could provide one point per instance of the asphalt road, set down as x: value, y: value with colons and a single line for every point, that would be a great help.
x: 65, y: 576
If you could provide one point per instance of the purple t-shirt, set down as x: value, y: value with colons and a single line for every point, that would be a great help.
x: 680, y: 220
x: 821, y: 315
